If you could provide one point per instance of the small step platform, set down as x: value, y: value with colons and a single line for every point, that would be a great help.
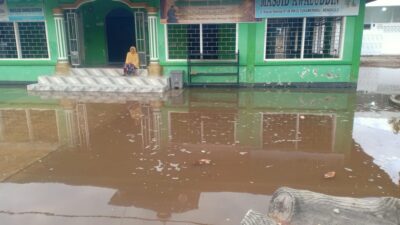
x: 101, y: 80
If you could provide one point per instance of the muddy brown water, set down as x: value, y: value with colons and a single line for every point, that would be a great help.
x: 200, y: 156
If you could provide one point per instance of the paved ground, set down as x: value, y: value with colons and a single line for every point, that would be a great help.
x: 390, y: 61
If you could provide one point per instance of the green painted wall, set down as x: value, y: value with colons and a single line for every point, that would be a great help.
x: 28, y: 69
x: 253, y: 68
x: 95, y: 43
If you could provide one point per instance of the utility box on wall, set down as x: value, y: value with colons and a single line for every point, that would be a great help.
x: 176, y: 79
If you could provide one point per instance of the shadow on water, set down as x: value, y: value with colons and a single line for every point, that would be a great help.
x: 199, y: 156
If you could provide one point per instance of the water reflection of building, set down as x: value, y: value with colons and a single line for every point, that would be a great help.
x: 27, y: 134
x: 257, y: 142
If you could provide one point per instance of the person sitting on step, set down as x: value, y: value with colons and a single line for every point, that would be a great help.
x: 132, y: 62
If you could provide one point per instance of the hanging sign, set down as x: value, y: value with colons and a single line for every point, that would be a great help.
x: 306, y: 8
x: 207, y: 11
x: 25, y: 10
x: 3, y: 11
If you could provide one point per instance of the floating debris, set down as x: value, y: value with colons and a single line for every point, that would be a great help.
x: 203, y: 162
x: 175, y: 166
x: 185, y: 151
x: 348, y: 169
x: 330, y: 175
x: 160, y: 166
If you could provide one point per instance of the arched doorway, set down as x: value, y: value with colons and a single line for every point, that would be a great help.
x: 120, y: 32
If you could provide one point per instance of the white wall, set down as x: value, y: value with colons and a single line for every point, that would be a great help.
x: 382, y: 39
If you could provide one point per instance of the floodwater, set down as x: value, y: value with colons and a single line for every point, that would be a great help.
x: 199, y: 156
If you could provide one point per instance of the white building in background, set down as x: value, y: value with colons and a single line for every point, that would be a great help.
x: 382, y: 28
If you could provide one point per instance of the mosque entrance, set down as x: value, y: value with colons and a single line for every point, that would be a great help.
x: 120, y: 34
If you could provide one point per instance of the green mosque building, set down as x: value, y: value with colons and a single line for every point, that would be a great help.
x: 246, y: 42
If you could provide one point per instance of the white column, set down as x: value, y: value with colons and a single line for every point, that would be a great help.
x: 60, y: 34
x: 153, y: 36
x: 62, y: 51
x: 154, y: 67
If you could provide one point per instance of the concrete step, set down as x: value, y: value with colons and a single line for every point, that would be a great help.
x: 103, y: 72
x: 101, y: 83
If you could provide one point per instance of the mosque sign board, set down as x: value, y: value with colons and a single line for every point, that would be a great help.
x: 25, y: 10
x: 306, y: 8
x: 207, y: 11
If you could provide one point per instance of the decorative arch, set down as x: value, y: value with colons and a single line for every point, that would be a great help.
x: 133, y: 4
x: 76, y: 4
x: 79, y: 3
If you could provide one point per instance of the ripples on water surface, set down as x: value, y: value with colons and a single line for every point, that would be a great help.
x: 201, y: 156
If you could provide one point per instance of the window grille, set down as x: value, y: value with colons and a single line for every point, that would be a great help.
x: 323, y: 37
x: 183, y: 38
x: 73, y: 35
x: 33, y: 41
x: 8, y: 43
x: 26, y: 40
x: 214, y: 41
x: 284, y: 38
x: 304, y: 38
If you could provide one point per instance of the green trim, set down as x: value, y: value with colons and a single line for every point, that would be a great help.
x: 28, y: 70
x: 45, y: 62
x: 358, y: 34
x: 251, y: 57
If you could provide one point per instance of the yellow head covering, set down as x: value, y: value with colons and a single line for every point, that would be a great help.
x: 132, y: 57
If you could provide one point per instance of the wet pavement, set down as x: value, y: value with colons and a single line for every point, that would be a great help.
x: 199, y: 156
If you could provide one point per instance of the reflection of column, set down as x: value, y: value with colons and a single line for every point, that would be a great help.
x: 29, y: 124
x: 154, y: 68
x: 83, y: 126
x: 71, y: 124
x: 72, y: 131
x: 156, y: 126
x: 62, y: 66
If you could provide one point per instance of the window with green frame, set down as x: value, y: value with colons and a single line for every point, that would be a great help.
x: 212, y: 41
x: 304, y: 38
x: 23, y: 40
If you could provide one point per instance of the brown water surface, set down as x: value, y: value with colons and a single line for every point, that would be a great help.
x: 194, y: 157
